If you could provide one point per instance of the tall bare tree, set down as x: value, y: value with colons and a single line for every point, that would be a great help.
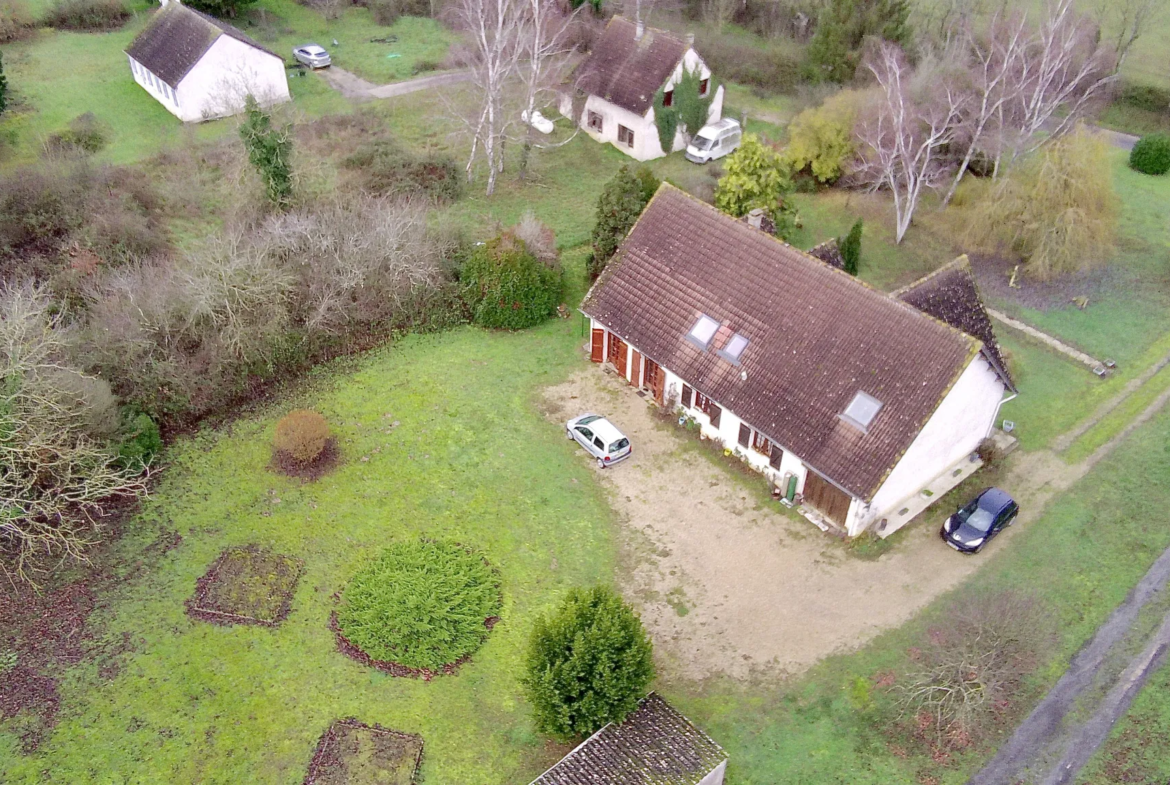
x: 544, y: 60
x: 903, y: 136
x: 1125, y: 21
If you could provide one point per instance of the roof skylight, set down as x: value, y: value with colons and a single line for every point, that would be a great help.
x: 861, y: 411
x: 734, y: 348
x: 703, y: 331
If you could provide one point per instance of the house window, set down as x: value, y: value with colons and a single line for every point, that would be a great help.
x: 861, y: 411
x: 733, y: 349
x: 625, y: 136
x: 668, y: 98
x: 745, y: 435
x: 776, y: 457
x: 595, y: 122
x: 709, y: 407
x: 703, y: 331
x: 761, y: 444
x: 704, y: 86
x: 686, y: 397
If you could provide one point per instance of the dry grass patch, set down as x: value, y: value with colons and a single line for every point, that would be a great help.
x: 246, y: 586
x: 351, y: 753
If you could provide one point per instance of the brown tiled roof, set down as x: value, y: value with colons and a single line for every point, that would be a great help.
x: 653, y: 746
x: 626, y: 71
x: 951, y: 294
x: 817, y: 336
x: 829, y: 253
x: 177, y: 38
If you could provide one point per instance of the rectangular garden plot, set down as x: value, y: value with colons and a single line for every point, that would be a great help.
x: 351, y: 753
x: 246, y: 586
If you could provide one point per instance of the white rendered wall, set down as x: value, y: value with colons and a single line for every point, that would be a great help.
x: 153, y: 85
x: 223, y: 78
x: 963, y: 419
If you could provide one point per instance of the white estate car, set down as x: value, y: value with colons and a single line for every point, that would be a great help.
x: 714, y: 141
x: 600, y: 439
x: 313, y: 56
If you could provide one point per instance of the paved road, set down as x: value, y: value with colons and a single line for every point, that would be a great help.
x: 1044, y: 731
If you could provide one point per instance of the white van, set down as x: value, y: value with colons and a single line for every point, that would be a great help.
x: 714, y: 141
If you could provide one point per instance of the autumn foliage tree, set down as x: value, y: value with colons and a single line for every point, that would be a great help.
x: 1056, y: 209
x: 820, y: 139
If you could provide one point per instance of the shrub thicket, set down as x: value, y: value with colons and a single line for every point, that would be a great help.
x: 220, y: 8
x: 85, y: 135
x: 86, y: 14
x: 301, y: 436
x: 842, y: 28
x: 385, y: 168
x: 821, y: 141
x: 757, y: 178
x: 621, y: 202
x: 506, y: 287
x: 269, y: 151
x: 387, y: 12
x: 140, y: 438
x: 776, y: 66
x: 1147, y: 97
x: 16, y: 22
x: 423, y: 604
x: 1151, y: 154
x: 588, y: 664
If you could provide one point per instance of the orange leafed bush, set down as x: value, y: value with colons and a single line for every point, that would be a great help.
x: 302, y: 436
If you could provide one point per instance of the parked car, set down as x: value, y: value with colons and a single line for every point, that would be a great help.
x: 538, y: 121
x: 600, y: 438
x: 714, y: 141
x: 313, y: 56
x: 985, y: 516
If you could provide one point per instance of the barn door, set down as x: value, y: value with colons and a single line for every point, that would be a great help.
x: 655, y: 380
x: 828, y: 500
x: 635, y: 368
x: 597, y: 348
x: 618, y: 355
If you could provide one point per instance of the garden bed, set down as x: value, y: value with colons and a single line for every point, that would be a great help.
x: 246, y: 586
x: 351, y: 753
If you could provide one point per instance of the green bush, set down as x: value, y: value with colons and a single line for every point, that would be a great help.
x: 86, y: 14
x: 842, y: 28
x: 774, y: 67
x: 588, y: 664
x: 757, y: 178
x: 386, y: 168
x: 141, y: 441
x: 421, y: 604
x: 387, y: 12
x: 820, y: 139
x: 506, y: 287
x: 618, y: 208
x: 269, y: 151
x: 1151, y: 154
x: 1146, y: 97
x: 85, y: 134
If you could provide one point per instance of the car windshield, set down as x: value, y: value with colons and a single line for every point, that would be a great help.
x: 589, y: 419
x: 980, y: 520
x: 702, y: 142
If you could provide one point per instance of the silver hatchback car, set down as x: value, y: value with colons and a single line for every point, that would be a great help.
x: 600, y: 439
x: 313, y: 56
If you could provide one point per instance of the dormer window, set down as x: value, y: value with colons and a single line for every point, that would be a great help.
x: 734, y: 348
x: 861, y: 411
x: 703, y: 331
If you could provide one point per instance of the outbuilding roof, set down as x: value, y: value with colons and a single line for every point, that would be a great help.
x: 177, y: 38
x: 628, y: 71
x: 653, y: 746
x: 816, y: 337
x: 951, y: 294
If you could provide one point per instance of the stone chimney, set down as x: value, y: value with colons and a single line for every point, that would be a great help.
x: 640, y: 30
x: 759, y: 219
x: 690, y: 39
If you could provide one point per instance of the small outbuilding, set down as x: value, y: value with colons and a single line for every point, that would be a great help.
x: 200, y: 68
x: 655, y: 745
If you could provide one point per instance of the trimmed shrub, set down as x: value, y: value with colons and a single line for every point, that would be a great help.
x: 505, y: 286
x: 423, y: 604
x: 588, y: 664
x: 86, y: 14
x: 385, y: 168
x: 618, y: 207
x: 301, y: 436
x: 1151, y: 154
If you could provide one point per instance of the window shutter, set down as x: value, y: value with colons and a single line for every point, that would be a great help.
x: 715, y: 413
x: 686, y: 397
x: 745, y: 435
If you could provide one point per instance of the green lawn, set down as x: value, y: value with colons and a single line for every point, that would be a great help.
x: 1136, y: 751
x: 472, y: 460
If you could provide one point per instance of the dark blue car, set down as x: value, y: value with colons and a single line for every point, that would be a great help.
x: 989, y: 513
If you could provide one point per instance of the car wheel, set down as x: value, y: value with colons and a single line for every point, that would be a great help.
x: 600, y: 464
x: 569, y: 434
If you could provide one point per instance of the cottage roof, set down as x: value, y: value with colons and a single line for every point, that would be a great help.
x: 816, y: 337
x: 627, y: 71
x: 177, y: 38
x: 951, y: 295
x: 654, y: 745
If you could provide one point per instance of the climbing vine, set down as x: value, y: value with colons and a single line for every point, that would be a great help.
x: 688, y: 108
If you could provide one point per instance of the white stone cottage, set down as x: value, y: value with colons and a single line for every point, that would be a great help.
x: 655, y: 744
x: 851, y: 399
x: 200, y: 68
x: 619, y: 80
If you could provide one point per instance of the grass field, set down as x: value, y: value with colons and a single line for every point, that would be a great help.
x: 1136, y: 751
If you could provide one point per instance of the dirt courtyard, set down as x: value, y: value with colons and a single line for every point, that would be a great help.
x: 727, y: 584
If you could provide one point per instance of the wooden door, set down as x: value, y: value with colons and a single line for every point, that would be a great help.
x: 829, y: 500
x: 654, y: 379
x: 635, y: 368
x: 597, y: 348
x: 618, y: 355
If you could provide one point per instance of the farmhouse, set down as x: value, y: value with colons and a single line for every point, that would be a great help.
x: 655, y: 744
x: 200, y: 68
x: 850, y: 400
x: 613, y: 90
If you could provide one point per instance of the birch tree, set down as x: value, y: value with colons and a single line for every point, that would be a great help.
x: 544, y: 59
x: 904, y: 135
x: 1129, y: 20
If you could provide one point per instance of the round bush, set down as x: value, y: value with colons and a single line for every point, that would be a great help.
x: 506, y: 287
x: 301, y: 436
x: 1151, y: 154
x: 422, y: 604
